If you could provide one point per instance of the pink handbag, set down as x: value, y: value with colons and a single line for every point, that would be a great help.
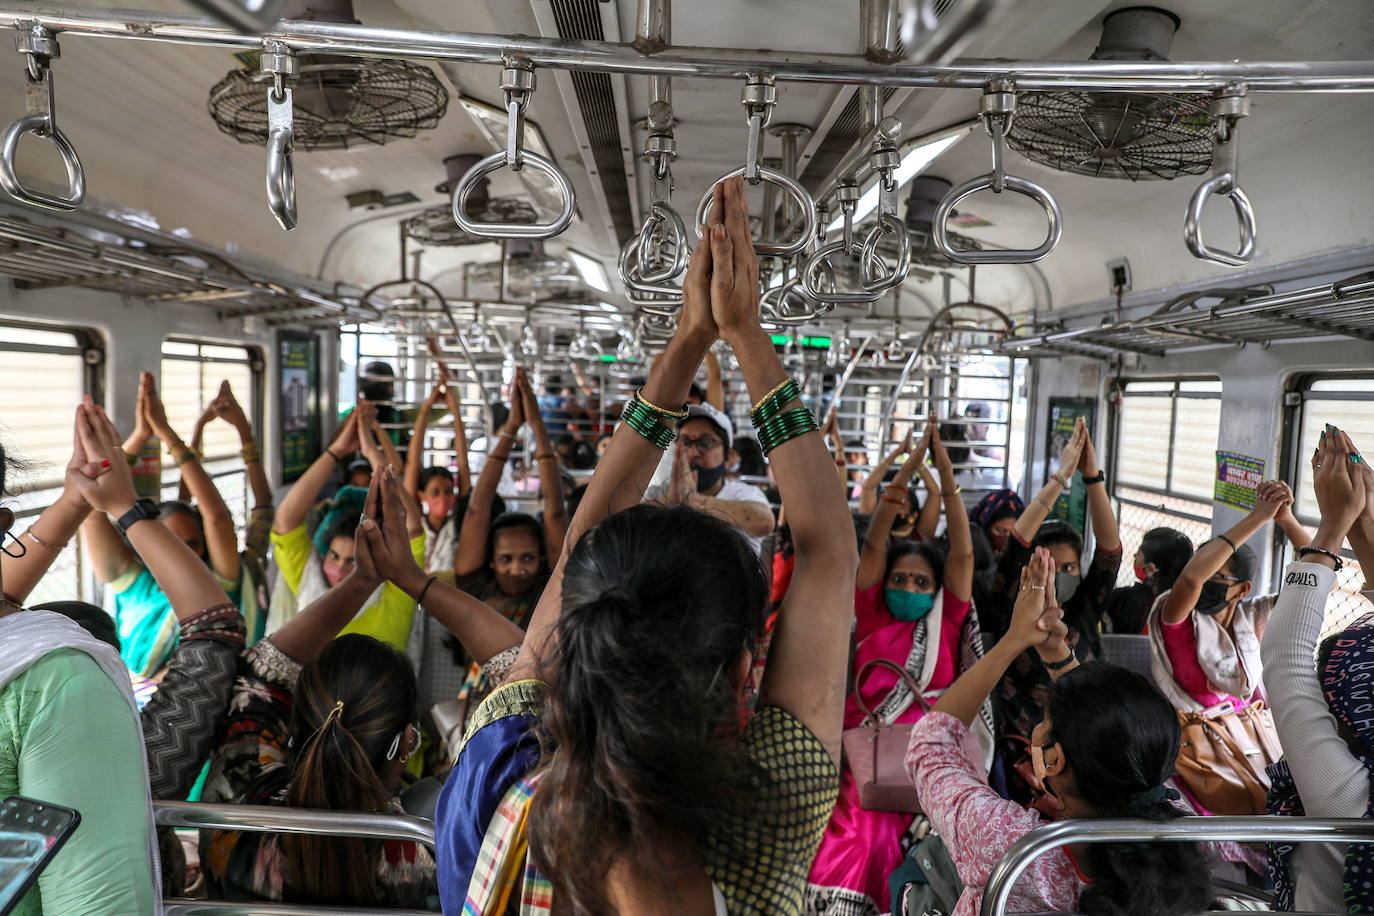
x: 876, y: 751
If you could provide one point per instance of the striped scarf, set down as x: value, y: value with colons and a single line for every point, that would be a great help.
x: 503, y: 863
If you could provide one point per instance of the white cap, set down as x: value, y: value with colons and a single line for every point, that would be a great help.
x: 716, y: 416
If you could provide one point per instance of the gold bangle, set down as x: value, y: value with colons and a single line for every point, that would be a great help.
x: 131, y: 459
x: 1041, y: 503
x: 661, y: 411
x: 763, y: 400
x: 495, y: 457
x: 251, y: 453
x: 957, y: 490
x: 186, y: 458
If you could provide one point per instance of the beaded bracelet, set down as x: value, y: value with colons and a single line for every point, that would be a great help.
x: 661, y: 411
x: 768, y: 407
x: 785, y: 426
x: 645, y: 422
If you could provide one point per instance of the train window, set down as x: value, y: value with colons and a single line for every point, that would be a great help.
x: 191, y: 374
x: 1165, y: 452
x: 1344, y: 401
x: 48, y: 366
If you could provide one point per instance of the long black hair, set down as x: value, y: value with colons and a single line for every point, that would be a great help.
x: 337, y: 759
x: 641, y: 721
x: 1169, y: 550
x: 1121, y: 738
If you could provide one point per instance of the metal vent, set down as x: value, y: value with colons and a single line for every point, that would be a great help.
x: 581, y: 19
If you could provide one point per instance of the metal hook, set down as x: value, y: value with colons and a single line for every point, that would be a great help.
x: 280, y: 63
x: 40, y: 46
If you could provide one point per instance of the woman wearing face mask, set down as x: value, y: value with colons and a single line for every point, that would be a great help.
x: 307, y: 566
x: 504, y: 561
x: 912, y: 604
x: 1206, y: 630
x: 1162, y: 555
x: 147, y: 626
x: 1106, y: 747
x: 996, y: 514
x: 435, y: 488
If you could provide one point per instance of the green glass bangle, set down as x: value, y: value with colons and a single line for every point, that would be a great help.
x: 784, y: 426
x: 646, y: 423
x: 788, y: 436
x: 768, y: 408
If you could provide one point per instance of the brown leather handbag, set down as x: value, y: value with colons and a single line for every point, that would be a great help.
x: 876, y: 751
x: 1224, y: 754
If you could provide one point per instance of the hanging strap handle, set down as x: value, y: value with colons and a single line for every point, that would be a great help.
x: 40, y: 46
x: 1228, y: 107
x: 904, y: 674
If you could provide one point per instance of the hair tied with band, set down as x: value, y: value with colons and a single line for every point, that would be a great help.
x: 1142, y: 802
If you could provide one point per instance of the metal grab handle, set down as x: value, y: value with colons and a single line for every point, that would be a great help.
x: 273, y: 819
x: 773, y: 305
x: 495, y: 161
x: 281, y: 169
x: 662, y: 213
x: 877, y: 278
x: 1008, y: 256
x: 799, y: 193
x: 38, y: 125
x: 1225, y: 185
x: 654, y: 293
x: 39, y: 46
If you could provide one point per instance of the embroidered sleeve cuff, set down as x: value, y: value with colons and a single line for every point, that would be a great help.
x: 272, y: 664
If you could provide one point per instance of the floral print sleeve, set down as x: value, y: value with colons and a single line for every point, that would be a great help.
x: 978, y: 825
x: 258, y: 724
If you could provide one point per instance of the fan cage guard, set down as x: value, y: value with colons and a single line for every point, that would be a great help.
x: 337, y: 103
x: 1135, y: 136
x: 435, y: 226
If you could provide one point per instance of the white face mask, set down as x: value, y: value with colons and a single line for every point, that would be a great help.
x: 732, y: 468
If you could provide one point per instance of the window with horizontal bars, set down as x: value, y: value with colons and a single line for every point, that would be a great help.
x: 49, y: 366
x: 191, y: 374
x: 1165, y: 459
x: 1345, y: 401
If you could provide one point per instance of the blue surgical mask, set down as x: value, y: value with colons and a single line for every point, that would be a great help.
x: 908, y: 606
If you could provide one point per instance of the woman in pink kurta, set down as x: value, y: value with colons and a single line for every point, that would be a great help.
x: 912, y: 608
x: 1105, y: 748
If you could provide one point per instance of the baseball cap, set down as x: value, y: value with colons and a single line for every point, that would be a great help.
x: 717, y: 417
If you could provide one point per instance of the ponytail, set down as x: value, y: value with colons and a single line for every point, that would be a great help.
x: 1121, y: 739
x: 350, y: 706
x: 641, y: 724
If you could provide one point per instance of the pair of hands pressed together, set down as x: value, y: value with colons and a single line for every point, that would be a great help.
x: 361, y: 432
x: 524, y: 409
x: 382, y: 542
x: 1344, y: 486
x: 1079, y: 455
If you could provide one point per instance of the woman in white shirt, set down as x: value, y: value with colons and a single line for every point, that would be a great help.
x: 1327, y: 736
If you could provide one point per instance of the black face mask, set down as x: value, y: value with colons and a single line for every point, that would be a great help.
x: 1213, y: 599
x: 709, y: 477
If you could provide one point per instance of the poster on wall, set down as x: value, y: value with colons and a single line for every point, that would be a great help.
x: 298, y: 395
x: 1072, y: 505
x: 1238, y: 479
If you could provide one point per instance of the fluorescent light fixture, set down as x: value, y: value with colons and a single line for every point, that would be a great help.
x: 916, y: 161
x: 607, y: 307
x: 590, y: 269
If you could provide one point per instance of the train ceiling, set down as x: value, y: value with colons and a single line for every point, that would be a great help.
x: 137, y: 112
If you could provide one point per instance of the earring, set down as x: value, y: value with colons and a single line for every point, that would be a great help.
x: 395, y: 746
x: 23, y: 548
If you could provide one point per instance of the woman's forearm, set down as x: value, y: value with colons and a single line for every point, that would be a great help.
x: 296, y: 505
x: 186, y: 581
x: 1105, y: 529
x: 304, y: 636
x: 483, y: 631
x: 44, y: 539
x: 965, y: 697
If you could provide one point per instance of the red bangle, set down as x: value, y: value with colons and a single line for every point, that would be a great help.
x: 895, y: 502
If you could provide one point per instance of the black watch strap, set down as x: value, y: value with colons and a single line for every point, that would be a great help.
x: 142, y: 509
x: 1060, y: 665
x: 1099, y: 477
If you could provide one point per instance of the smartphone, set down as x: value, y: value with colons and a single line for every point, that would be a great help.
x: 31, y: 833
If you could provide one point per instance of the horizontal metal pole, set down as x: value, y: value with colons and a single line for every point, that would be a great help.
x: 182, y: 907
x: 271, y: 819
x: 1261, y: 829
x: 704, y: 62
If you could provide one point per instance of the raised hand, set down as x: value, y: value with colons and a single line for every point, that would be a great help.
x: 385, y: 535
x: 1087, y: 459
x: 154, y: 410
x: 346, y: 437
x: 1339, y: 479
x: 1035, y: 621
x: 517, y: 403
x: 228, y: 409
x: 734, y: 266
x: 364, y: 557
x: 98, y: 469
x: 939, y: 453
x: 1269, y: 500
x: 436, y: 395
x: 1073, y: 452
x: 1280, y: 492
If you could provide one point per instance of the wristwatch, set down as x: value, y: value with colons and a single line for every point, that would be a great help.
x: 1099, y: 477
x: 141, y: 509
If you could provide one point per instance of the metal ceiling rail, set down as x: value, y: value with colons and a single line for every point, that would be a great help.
x: 1343, y: 308
x: 719, y: 63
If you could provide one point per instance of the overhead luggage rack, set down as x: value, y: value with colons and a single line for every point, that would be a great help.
x: 39, y: 256
x: 1244, y: 316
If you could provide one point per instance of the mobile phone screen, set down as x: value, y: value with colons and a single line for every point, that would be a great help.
x: 31, y: 833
